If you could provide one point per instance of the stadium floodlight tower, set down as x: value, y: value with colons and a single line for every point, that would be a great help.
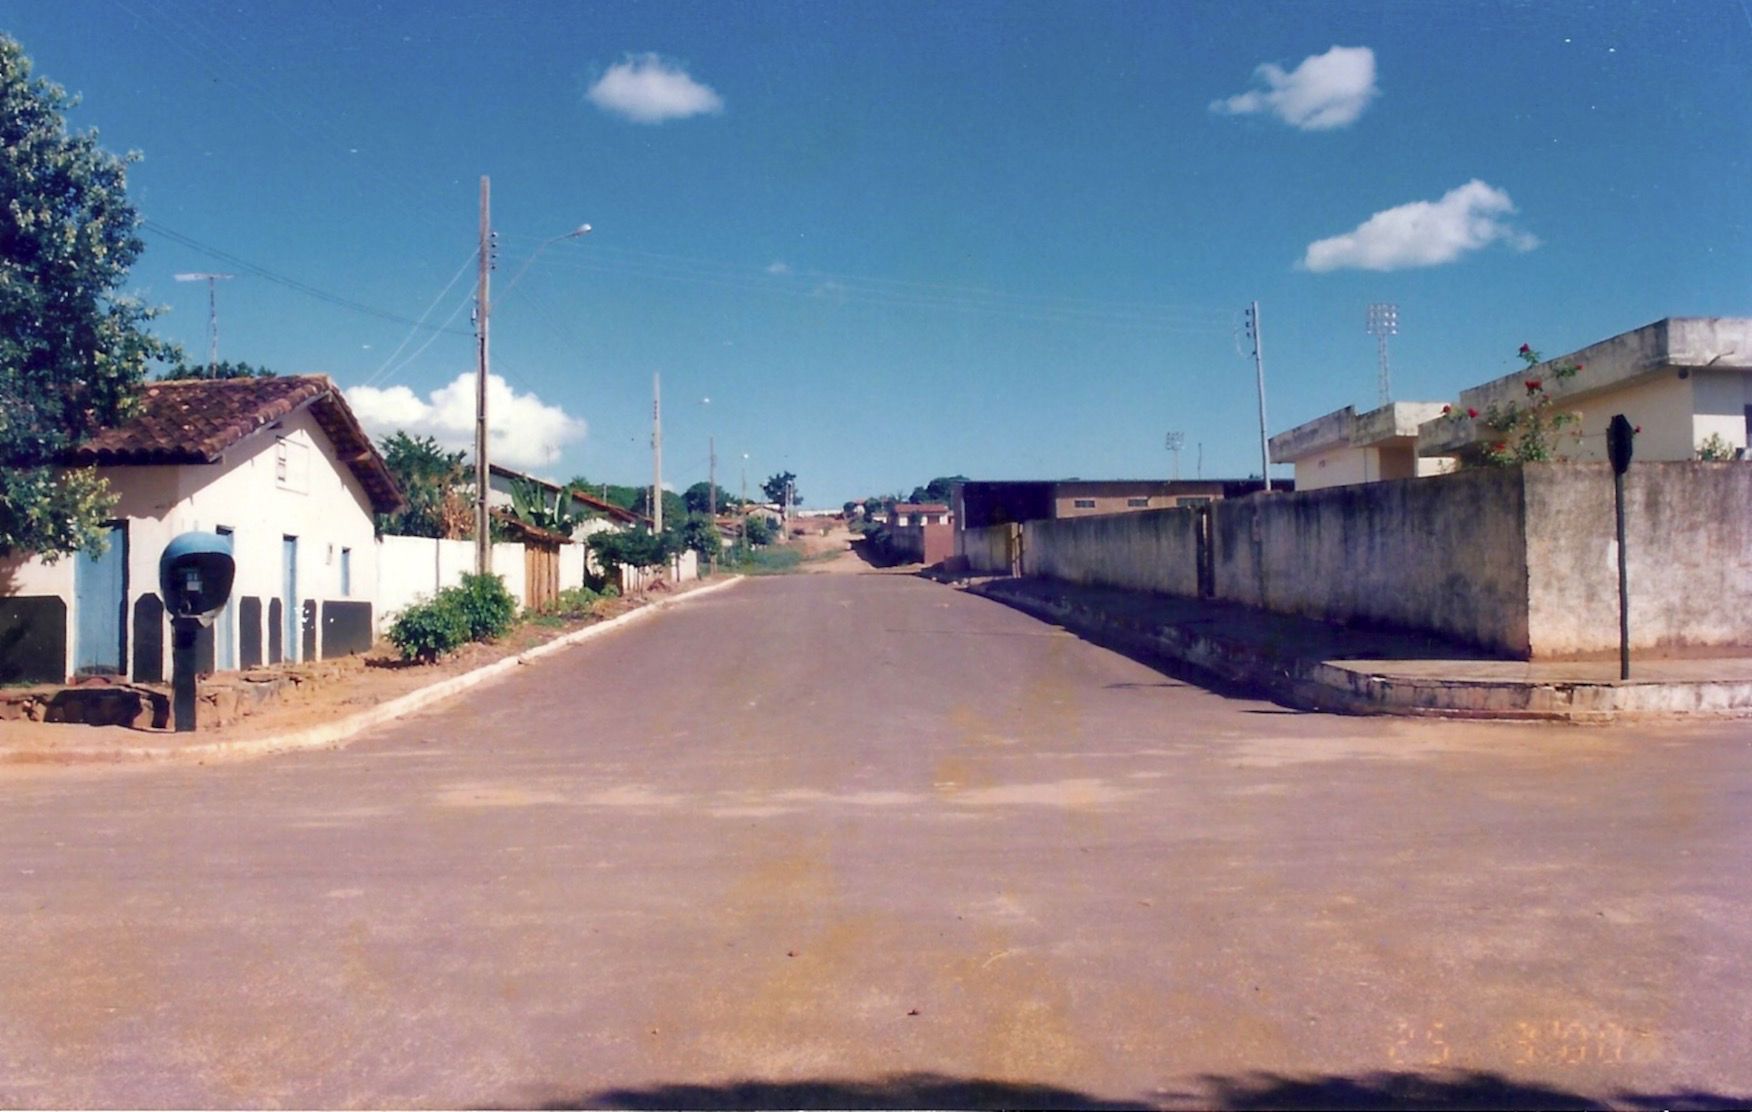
x: 1175, y: 441
x: 1383, y: 322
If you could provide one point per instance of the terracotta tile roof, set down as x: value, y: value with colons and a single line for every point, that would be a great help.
x: 193, y: 421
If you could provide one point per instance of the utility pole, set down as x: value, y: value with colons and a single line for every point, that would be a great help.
x: 656, y: 453
x: 742, y: 510
x: 212, y: 281
x: 1259, y: 370
x: 483, y: 472
x: 1383, y: 322
x: 712, y: 498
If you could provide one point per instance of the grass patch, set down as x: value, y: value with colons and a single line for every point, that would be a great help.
x: 766, y: 561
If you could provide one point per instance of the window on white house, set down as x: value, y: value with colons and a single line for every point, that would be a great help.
x: 1137, y: 503
x: 1084, y: 503
x: 292, y: 465
x: 346, y: 572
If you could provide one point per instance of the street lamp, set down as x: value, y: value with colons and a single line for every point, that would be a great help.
x: 1383, y: 322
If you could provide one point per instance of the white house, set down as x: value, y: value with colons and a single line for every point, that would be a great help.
x: 1683, y: 380
x: 278, y: 465
x: 1346, y: 447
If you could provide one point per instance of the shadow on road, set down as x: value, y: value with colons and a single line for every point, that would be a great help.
x: 909, y: 1090
x: 1257, y: 1090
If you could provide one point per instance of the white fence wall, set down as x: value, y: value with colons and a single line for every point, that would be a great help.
x: 413, y: 568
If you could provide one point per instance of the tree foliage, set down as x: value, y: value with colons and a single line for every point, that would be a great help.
x: 699, y: 498
x: 433, y: 481
x: 759, y: 529
x: 777, y: 486
x: 637, y: 548
x: 937, y: 490
x: 529, y: 504
x: 73, y: 350
x: 222, y: 369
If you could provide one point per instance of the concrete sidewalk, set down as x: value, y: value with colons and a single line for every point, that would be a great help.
x: 1321, y: 666
x: 71, y: 743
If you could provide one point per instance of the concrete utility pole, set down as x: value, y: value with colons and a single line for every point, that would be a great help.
x: 1259, y: 369
x: 656, y: 453
x: 712, y: 497
x: 483, y: 473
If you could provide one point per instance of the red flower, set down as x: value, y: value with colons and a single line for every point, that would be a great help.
x: 1470, y: 412
x: 1526, y: 350
x: 1500, y: 447
x: 1577, y: 367
x: 1533, y: 385
x: 1637, y: 429
x: 1447, y: 409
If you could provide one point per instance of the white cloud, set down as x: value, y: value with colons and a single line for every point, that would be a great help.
x: 1326, y: 91
x: 648, y: 90
x: 778, y: 267
x: 522, y: 430
x: 1423, y: 233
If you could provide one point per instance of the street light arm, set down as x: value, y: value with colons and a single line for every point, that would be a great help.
x: 575, y: 233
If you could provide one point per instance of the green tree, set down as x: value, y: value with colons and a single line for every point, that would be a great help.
x: 432, y: 481
x: 937, y: 490
x: 222, y: 369
x: 760, y: 529
x: 73, y: 350
x: 700, y: 533
x: 638, y: 548
x: 674, y: 509
x: 776, y: 486
x: 699, y: 498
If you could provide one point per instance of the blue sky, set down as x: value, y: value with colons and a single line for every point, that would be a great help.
x: 897, y: 240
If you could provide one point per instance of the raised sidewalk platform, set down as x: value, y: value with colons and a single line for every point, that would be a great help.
x: 1321, y: 666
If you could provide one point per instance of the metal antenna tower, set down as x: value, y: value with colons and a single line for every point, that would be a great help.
x: 212, y: 313
x: 1175, y: 441
x: 1384, y: 322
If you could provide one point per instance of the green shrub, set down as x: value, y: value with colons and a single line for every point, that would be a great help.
x: 479, y: 610
x: 426, y: 631
x: 487, y: 608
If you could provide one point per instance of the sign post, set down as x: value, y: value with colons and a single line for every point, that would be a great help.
x: 1619, y: 437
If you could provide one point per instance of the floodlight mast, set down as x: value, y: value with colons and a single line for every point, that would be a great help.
x: 1383, y: 322
x: 212, y: 313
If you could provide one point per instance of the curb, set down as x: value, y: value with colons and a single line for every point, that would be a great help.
x: 332, y: 735
x: 1328, y: 686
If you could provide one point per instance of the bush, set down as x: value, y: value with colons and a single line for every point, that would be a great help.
x: 426, y: 631
x: 487, y: 608
x: 479, y: 610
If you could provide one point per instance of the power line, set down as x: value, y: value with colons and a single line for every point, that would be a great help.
x: 305, y: 288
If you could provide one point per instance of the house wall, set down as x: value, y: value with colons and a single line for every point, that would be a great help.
x: 1152, y: 550
x: 1334, y: 467
x: 261, y: 502
x: 248, y: 491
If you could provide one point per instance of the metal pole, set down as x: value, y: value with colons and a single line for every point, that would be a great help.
x: 1259, y: 369
x: 656, y: 453
x: 1623, y: 580
x: 483, y: 472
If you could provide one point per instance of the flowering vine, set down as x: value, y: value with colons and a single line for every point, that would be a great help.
x: 1529, y: 431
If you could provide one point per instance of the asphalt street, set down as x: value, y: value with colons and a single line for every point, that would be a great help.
x: 864, y: 840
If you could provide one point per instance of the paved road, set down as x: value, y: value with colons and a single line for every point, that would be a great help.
x: 866, y: 839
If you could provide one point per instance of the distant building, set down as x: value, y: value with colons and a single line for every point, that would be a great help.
x: 1346, y: 447
x: 921, y: 531
x: 976, y: 504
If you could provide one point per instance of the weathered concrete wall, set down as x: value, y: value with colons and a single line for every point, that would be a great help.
x: 988, y: 551
x: 1442, y: 554
x: 1688, y: 536
x: 1150, y: 550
